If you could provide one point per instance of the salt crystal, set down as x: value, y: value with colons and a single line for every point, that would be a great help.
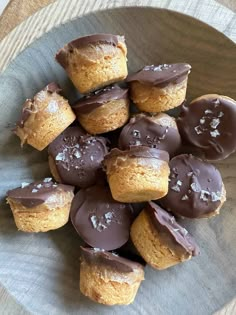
x: 215, y: 133
x: 77, y: 154
x: 93, y: 219
x: 176, y: 230
x: 214, y: 123
x: 175, y: 188
x: 208, y: 111
x: 91, y: 158
x: 108, y: 215
x: 34, y: 190
x: 198, y: 130
x: 221, y: 114
x: 39, y: 186
x: 204, y: 194
x: 60, y: 156
x: 136, y: 134
x: 185, y: 197
x: 137, y: 142
x: 202, y: 121
x: 184, y: 231
x: 216, y: 196
x: 179, y: 183
x: 190, y: 174
x: 47, y: 179
x: 172, y: 219
x: 195, y: 187
x: 23, y: 185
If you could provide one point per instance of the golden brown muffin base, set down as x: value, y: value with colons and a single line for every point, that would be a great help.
x: 95, y: 66
x: 154, y: 99
x: 109, y: 287
x: 159, y: 250
x: 50, y: 116
x: 137, y: 179
x: 108, y: 117
x: 44, y: 217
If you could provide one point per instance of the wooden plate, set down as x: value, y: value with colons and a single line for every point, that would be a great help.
x: 42, y: 271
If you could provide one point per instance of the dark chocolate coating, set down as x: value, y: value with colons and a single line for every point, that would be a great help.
x: 209, y: 125
x: 98, y: 257
x: 195, y: 187
x: 78, y: 157
x: 161, y: 75
x: 61, y: 55
x: 142, y: 130
x: 163, y: 221
x: 98, y: 98
x: 53, y: 88
x: 34, y: 194
x: 101, y: 221
x: 139, y: 152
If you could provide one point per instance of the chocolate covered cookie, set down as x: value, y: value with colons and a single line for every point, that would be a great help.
x: 208, y: 124
x: 101, y: 221
x: 107, y: 278
x: 196, y: 189
x: 160, y: 240
x: 41, y: 206
x: 137, y: 174
x: 159, y: 88
x: 75, y: 158
x: 94, y: 61
x: 159, y: 131
x: 44, y: 117
x: 104, y: 110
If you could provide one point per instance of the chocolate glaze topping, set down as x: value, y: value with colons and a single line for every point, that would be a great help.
x: 101, y: 221
x: 78, y: 156
x: 162, y: 220
x: 98, y: 98
x: 208, y: 124
x: 195, y: 187
x: 142, y: 130
x: 34, y: 194
x: 28, y: 106
x: 100, y: 257
x: 139, y: 152
x: 161, y: 75
x: 61, y: 55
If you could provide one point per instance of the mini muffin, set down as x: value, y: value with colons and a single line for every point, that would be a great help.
x: 107, y: 278
x: 160, y: 240
x: 196, y: 189
x: 94, y: 61
x: 101, y: 221
x: 138, y: 174
x: 159, y: 131
x: 159, y: 88
x: 75, y: 158
x: 41, y: 206
x: 208, y: 124
x: 44, y: 117
x: 104, y: 110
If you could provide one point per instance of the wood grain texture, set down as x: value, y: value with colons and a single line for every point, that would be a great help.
x: 47, y: 265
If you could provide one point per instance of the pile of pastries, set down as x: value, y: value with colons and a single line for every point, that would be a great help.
x: 106, y: 160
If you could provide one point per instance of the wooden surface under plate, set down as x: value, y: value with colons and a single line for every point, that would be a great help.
x: 40, y: 270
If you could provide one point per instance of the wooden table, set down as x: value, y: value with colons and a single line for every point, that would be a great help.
x: 16, y: 12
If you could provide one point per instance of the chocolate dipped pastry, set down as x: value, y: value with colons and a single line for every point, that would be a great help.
x: 137, y: 174
x: 104, y: 110
x: 41, y: 206
x: 196, y: 189
x: 101, y: 221
x: 107, y: 278
x: 159, y: 88
x: 160, y: 240
x: 44, y: 117
x: 75, y: 158
x: 208, y: 124
x: 159, y: 131
x: 94, y: 61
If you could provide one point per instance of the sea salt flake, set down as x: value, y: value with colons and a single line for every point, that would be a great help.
x: 204, y: 195
x: 60, y: 156
x: 136, y: 134
x: 221, y: 114
x: 176, y: 230
x: 137, y: 142
x: 175, y: 188
x: 190, y: 174
x: 198, y: 130
x: 34, y: 190
x: 23, y: 185
x: 214, y: 123
x: 91, y: 158
x: 185, y: 197
x: 108, y: 216
x: 208, y: 111
x: 185, y: 232
x: 202, y: 121
x: 77, y: 154
x: 172, y: 219
x: 39, y: 186
x: 93, y: 220
x: 179, y: 182
x: 47, y: 179
x: 195, y: 187
x: 215, y: 133
x: 216, y: 196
